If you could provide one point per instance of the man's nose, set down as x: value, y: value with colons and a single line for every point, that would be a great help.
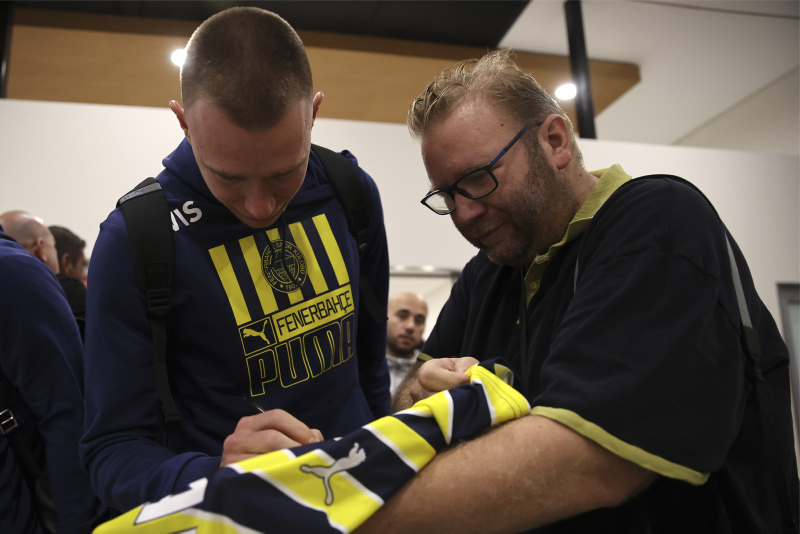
x: 259, y: 201
x: 467, y: 209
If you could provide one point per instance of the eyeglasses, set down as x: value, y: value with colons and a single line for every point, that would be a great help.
x: 473, y: 185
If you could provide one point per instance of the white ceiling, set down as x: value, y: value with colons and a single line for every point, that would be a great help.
x: 720, y: 74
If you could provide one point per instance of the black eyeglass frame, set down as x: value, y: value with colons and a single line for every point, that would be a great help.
x: 488, y: 168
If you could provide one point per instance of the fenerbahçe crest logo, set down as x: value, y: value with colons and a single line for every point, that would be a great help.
x: 284, y: 266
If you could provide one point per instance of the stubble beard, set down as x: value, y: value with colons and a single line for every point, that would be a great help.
x: 538, y: 197
x: 399, y: 351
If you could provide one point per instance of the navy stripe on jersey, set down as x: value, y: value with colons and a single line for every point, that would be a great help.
x: 332, y: 486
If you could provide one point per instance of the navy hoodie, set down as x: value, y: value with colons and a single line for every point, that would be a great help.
x: 269, y: 313
x: 40, y: 356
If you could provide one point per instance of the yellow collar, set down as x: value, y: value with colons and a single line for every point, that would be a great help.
x: 609, y: 181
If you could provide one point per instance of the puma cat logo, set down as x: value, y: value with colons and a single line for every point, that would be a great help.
x: 249, y: 332
x: 356, y: 457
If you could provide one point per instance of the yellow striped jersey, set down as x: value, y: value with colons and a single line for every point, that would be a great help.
x: 335, y: 485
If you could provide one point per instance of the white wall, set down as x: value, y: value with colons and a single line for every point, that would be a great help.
x: 69, y: 163
x: 766, y: 121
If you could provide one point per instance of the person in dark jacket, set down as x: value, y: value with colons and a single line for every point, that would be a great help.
x: 71, y: 271
x: 614, y: 301
x: 30, y: 232
x: 40, y: 358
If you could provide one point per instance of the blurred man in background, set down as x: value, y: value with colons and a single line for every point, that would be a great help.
x: 72, y: 266
x: 33, y: 235
x: 407, y: 314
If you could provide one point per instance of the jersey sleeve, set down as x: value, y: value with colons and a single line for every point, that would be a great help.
x: 332, y: 486
x: 40, y: 354
x: 119, y: 449
x: 647, y: 359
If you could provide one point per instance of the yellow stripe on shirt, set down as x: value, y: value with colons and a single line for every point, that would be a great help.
x: 332, y: 248
x: 314, y: 272
x: 253, y: 259
x: 296, y: 295
x: 409, y: 446
x: 622, y: 449
x: 227, y: 276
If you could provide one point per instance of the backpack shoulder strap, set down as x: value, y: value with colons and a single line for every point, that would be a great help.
x: 9, y: 426
x: 752, y: 349
x: 34, y: 474
x: 152, y: 244
x: 347, y: 186
x: 350, y: 191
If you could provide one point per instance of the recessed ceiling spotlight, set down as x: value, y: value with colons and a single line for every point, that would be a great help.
x: 566, y: 91
x: 178, y: 56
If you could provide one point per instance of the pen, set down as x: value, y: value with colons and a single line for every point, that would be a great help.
x: 254, y: 404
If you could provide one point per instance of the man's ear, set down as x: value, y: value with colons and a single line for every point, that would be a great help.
x: 315, y: 106
x: 555, y: 140
x: 180, y: 114
x: 37, y: 249
x: 65, y: 264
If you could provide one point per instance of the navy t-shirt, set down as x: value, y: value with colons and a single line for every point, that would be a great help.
x: 642, y: 355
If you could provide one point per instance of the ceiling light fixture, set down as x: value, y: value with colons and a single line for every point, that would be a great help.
x: 178, y: 56
x: 566, y: 91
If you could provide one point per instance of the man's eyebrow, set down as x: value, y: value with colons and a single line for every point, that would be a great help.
x: 290, y: 171
x: 472, y: 165
x: 234, y: 176
x: 224, y: 174
x: 465, y: 170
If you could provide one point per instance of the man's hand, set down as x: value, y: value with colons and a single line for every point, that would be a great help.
x: 439, y: 375
x: 266, y: 432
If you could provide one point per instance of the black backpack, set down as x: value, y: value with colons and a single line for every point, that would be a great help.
x: 151, y: 236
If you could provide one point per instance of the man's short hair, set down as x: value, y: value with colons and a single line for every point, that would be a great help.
x: 494, y: 76
x: 67, y: 243
x: 250, y: 64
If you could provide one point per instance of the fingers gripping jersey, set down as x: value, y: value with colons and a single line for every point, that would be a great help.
x: 332, y: 486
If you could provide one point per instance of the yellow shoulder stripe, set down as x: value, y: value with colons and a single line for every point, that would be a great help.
x: 624, y: 450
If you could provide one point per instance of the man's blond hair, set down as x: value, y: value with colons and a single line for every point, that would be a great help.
x: 494, y: 76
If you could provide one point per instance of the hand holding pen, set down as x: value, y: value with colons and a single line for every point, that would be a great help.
x: 267, y: 431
